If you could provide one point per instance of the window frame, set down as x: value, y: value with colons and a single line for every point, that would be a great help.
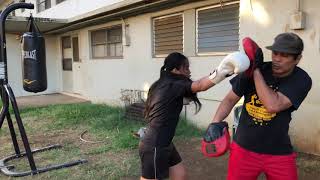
x: 22, y: 9
x: 65, y: 60
x: 60, y: 1
x: 106, y: 43
x: 153, y: 33
x: 45, y: 2
x: 75, y: 54
x: 197, y: 28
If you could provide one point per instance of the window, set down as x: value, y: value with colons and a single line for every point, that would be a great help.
x: 43, y: 5
x: 66, y: 53
x: 66, y: 43
x: 167, y: 35
x: 218, y: 29
x: 59, y: 1
x: 67, y: 64
x: 75, y: 49
x: 107, y: 43
x: 13, y: 13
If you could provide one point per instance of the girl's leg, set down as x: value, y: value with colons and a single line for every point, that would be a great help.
x: 177, y: 172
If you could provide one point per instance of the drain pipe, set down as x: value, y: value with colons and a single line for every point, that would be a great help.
x: 298, y: 18
x: 298, y: 5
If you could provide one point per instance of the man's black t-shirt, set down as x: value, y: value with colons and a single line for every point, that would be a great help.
x: 166, y: 105
x: 258, y: 130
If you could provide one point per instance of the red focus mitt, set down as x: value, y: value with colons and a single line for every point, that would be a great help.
x: 216, y: 140
x: 254, y: 53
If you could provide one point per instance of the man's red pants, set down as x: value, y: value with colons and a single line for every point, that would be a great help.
x: 247, y: 165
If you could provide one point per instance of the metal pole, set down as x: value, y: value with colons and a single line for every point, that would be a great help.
x: 13, y: 134
x: 3, y: 16
x: 8, y: 95
x: 6, y: 90
x: 21, y: 128
x: 5, y: 104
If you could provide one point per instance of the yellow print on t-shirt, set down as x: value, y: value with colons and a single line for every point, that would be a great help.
x: 258, y: 111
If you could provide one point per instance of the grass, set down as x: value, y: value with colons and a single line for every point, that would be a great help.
x: 114, y: 158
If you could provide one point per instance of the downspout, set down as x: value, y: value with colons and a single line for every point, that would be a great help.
x: 298, y: 5
x: 298, y: 18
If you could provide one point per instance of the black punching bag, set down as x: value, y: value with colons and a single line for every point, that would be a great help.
x: 34, y: 59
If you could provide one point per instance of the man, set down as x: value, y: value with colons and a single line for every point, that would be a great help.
x: 271, y: 94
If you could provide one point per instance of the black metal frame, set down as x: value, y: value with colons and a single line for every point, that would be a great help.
x: 8, y: 95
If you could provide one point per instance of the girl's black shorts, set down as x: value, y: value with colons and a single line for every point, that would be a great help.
x: 156, y: 161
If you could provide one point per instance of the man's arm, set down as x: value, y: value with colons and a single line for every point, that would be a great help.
x: 226, y: 106
x: 273, y: 101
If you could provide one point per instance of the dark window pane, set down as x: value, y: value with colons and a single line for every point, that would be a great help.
x: 107, y: 42
x: 59, y: 1
x: 66, y: 42
x: 99, y: 51
x: 115, y: 35
x: 75, y: 49
x: 98, y: 37
x: 67, y: 64
x: 43, y: 5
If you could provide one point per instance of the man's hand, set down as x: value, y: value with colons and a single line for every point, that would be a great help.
x: 215, y: 131
x: 258, y: 61
x: 216, y: 140
x: 233, y: 63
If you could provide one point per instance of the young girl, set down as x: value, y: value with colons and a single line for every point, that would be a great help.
x: 159, y: 157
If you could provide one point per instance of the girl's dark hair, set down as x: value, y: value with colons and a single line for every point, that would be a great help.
x: 173, y: 60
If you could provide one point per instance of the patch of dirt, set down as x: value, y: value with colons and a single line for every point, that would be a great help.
x: 198, y: 166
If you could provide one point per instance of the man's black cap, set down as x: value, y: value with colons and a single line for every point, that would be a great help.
x: 287, y: 43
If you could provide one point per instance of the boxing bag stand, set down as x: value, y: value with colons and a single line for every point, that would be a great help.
x: 8, y: 96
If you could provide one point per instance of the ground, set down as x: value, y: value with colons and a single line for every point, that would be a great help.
x: 198, y: 166
x: 100, y: 160
x: 47, y: 99
x: 202, y: 168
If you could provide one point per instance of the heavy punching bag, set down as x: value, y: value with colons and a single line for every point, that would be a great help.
x: 34, y: 59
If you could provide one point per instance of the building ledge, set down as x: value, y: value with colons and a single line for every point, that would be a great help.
x: 18, y: 24
x: 117, y: 11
